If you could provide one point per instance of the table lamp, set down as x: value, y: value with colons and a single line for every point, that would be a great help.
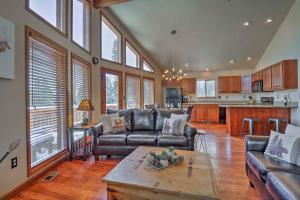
x: 85, y: 105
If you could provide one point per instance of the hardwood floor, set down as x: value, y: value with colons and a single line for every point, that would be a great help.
x: 82, y: 180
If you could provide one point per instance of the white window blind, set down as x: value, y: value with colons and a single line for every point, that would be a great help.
x: 81, y: 87
x: 148, y: 91
x: 47, y: 98
x: 133, y: 91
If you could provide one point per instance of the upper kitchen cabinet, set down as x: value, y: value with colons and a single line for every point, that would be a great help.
x: 172, y: 83
x: 229, y: 84
x: 246, y: 83
x: 285, y: 75
x: 267, y: 79
x: 257, y: 76
x: 188, y: 86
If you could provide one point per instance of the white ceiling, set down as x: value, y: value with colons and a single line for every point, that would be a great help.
x: 209, y: 32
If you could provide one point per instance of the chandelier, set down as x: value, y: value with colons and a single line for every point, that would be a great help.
x: 173, y: 74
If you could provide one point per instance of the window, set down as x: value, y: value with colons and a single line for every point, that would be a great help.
x: 110, y: 41
x: 132, y: 56
x: 81, y: 11
x: 148, y: 91
x: 46, y: 98
x: 147, y: 67
x: 206, y: 88
x: 81, y: 86
x: 133, y: 91
x: 52, y: 11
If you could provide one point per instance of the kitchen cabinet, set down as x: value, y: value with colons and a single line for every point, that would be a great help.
x: 229, y: 84
x: 285, y: 75
x: 267, y: 79
x: 188, y: 86
x: 257, y: 76
x: 246, y: 83
x: 172, y: 83
x: 205, y: 113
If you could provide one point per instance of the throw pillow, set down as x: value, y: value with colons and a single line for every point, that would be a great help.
x: 183, y: 120
x: 118, y: 124
x: 284, y: 147
x: 171, y: 126
x: 106, y: 122
x: 292, y: 130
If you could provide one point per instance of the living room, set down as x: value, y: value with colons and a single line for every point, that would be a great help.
x: 109, y: 99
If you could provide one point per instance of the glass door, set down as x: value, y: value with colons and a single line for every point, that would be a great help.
x: 111, y: 90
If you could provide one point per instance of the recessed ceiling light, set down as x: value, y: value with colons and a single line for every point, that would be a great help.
x: 207, y: 69
x: 249, y: 58
x: 186, y: 65
x: 269, y: 20
x: 232, y: 61
x: 247, y: 23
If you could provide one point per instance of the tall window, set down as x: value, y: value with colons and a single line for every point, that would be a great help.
x: 81, y: 12
x: 133, y: 91
x: 206, y: 88
x: 110, y: 41
x: 147, y: 67
x: 148, y: 91
x: 52, y: 11
x: 132, y: 56
x: 46, y: 98
x: 81, y: 85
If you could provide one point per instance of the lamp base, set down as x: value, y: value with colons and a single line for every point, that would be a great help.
x: 85, y: 121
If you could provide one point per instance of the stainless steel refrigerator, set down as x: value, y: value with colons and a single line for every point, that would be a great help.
x: 173, y: 97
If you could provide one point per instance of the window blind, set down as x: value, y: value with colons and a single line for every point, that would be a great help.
x: 81, y: 84
x: 148, y: 91
x: 47, y: 99
x: 133, y: 88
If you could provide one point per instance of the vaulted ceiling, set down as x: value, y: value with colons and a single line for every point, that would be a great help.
x: 210, y: 33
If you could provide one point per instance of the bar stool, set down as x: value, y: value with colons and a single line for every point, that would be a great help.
x: 250, y: 121
x: 201, y: 140
x: 277, y: 122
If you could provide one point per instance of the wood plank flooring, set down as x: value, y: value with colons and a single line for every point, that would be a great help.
x: 79, y: 180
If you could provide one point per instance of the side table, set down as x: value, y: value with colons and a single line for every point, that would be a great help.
x: 81, y: 144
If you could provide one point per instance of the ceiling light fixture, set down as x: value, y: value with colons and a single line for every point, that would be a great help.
x: 269, y: 20
x: 207, y: 69
x: 173, y: 74
x: 249, y: 58
x: 232, y: 61
x: 247, y: 23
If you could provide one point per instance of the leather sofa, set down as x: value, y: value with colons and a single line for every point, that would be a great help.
x: 272, y: 178
x: 143, y: 128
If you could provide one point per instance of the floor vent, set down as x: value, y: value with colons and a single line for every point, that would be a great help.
x: 51, y: 176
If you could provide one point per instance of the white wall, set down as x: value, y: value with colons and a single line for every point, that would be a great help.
x: 213, y: 75
x: 285, y: 45
x: 12, y: 92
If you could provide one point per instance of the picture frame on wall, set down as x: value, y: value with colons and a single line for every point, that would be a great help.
x: 7, y: 49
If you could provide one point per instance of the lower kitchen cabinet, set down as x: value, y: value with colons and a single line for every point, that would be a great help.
x: 205, y: 113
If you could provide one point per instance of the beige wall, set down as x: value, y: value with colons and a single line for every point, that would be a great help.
x: 285, y: 45
x: 12, y: 92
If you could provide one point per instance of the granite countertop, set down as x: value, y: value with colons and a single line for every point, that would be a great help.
x: 259, y: 105
x: 223, y: 102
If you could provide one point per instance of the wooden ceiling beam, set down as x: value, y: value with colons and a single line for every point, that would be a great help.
x: 106, y: 3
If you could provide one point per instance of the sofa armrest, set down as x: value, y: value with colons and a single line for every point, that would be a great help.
x: 256, y: 143
x: 97, y: 130
x: 190, y: 132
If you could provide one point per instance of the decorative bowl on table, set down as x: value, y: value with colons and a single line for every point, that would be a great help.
x: 163, y: 159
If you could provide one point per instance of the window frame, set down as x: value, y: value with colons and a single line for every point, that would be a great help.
x: 151, y: 79
x: 61, y: 155
x: 205, y: 88
x: 66, y: 25
x: 140, y: 81
x: 142, y: 66
x: 87, y: 64
x: 89, y: 29
x: 136, y: 52
x: 117, y: 32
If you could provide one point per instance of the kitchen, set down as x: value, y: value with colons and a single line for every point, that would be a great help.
x: 270, y: 92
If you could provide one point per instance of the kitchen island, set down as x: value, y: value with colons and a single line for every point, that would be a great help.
x: 236, y: 112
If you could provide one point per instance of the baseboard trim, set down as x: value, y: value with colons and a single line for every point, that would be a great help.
x: 33, y: 178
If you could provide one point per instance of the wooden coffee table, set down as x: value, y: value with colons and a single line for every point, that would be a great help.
x: 194, y: 179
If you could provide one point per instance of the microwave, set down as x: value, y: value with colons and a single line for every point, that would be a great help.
x: 257, y: 86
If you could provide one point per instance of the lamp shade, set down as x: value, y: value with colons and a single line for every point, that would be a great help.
x: 85, y: 105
